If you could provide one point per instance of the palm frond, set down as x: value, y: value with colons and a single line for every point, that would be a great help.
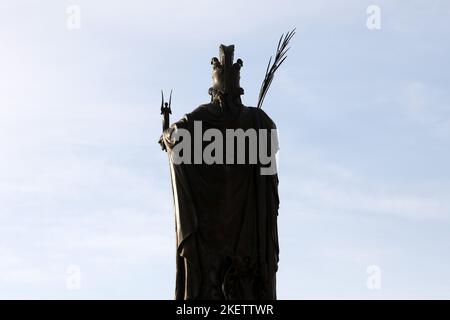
x: 280, y: 56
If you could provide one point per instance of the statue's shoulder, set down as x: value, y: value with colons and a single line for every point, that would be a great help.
x: 206, y: 109
x: 261, y: 116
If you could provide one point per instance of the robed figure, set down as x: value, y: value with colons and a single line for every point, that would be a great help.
x: 225, y: 211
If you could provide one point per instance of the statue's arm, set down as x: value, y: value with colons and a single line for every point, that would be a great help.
x: 166, y: 140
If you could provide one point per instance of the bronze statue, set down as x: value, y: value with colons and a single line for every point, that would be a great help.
x: 225, y: 211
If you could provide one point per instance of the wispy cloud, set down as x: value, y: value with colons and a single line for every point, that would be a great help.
x: 82, y: 180
x: 328, y: 187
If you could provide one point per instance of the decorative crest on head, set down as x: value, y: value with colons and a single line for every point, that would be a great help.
x: 225, y: 74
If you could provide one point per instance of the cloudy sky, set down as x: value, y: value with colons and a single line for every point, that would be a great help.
x: 364, y: 118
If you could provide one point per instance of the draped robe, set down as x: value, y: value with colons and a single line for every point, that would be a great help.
x: 225, y: 216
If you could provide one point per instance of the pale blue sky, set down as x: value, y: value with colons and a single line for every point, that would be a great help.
x: 364, y: 120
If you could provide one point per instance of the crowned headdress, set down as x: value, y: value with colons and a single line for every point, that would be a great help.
x: 226, y: 76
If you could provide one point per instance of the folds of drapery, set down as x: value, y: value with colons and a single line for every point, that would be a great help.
x: 225, y: 215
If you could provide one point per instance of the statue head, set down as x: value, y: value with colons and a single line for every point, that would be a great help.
x: 225, y: 74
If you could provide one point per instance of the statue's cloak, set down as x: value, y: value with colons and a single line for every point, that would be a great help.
x: 226, y: 216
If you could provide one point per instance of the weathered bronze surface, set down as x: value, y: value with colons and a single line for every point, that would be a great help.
x: 226, y: 215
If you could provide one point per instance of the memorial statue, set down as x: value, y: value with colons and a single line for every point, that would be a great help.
x: 225, y: 189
